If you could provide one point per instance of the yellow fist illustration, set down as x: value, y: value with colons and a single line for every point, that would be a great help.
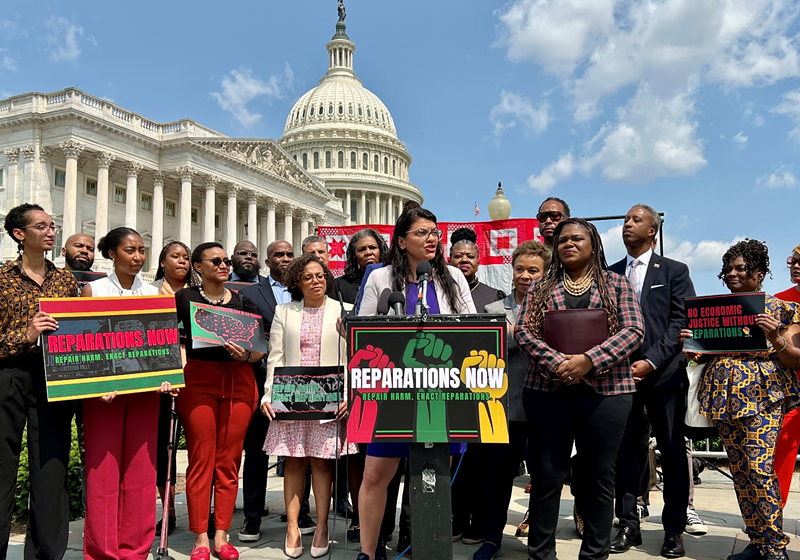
x: 492, y: 415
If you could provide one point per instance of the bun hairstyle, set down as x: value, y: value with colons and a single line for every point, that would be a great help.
x: 197, y: 254
x: 113, y: 240
x: 17, y: 218
x: 462, y: 236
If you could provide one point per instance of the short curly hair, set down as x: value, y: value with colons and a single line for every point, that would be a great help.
x: 755, y: 254
x: 293, y: 275
x: 531, y: 248
x: 17, y: 218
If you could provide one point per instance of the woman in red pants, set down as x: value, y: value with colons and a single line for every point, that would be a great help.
x: 120, y: 432
x: 216, y: 407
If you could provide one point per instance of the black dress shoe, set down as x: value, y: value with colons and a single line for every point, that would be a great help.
x: 673, y: 546
x: 625, y: 539
x: 752, y: 551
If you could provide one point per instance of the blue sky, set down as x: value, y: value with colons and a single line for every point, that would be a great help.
x: 691, y: 107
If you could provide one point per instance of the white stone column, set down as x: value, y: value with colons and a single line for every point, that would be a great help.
x: 72, y: 150
x: 104, y: 160
x: 272, y: 234
x: 390, y: 219
x: 288, y: 229
x: 230, y: 231
x: 347, y: 220
x: 362, y: 209
x: 12, y: 185
x: 41, y: 182
x: 210, y: 209
x: 304, y: 219
x: 252, y: 218
x: 263, y: 234
x: 377, y: 209
x: 157, y: 232
x: 132, y: 194
x: 185, y: 220
x: 28, y: 176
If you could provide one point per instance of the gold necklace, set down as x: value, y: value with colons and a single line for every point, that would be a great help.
x: 579, y: 287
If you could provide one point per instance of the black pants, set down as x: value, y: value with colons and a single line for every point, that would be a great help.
x: 595, y: 423
x: 666, y: 409
x: 468, y: 492
x: 256, y: 461
x: 504, y: 460
x: 23, y: 399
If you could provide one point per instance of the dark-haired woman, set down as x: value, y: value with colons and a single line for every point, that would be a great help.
x: 416, y: 238
x: 304, y: 333
x: 23, y: 395
x: 465, y: 256
x: 366, y: 247
x: 582, y: 398
x: 216, y: 406
x: 121, y: 431
x: 747, y: 394
x: 173, y: 274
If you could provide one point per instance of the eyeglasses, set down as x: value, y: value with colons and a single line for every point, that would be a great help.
x: 246, y: 254
x: 424, y: 233
x: 554, y: 216
x: 216, y: 261
x: 281, y: 254
x: 41, y: 228
x: 791, y: 261
x: 310, y: 277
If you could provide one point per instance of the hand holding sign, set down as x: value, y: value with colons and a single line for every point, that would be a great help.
x: 492, y: 415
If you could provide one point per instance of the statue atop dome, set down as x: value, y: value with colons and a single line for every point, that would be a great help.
x: 342, y: 11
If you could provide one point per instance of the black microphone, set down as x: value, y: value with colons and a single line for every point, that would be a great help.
x: 341, y: 304
x: 423, y: 275
x: 383, y: 302
x: 397, y: 301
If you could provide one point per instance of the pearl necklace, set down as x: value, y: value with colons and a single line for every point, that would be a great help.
x: 213, y: 301
x: 579, y: 287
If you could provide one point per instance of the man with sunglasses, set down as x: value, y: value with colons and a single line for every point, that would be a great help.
x: 789, y: 440
x: 266, y: 293
x: 551, y: 211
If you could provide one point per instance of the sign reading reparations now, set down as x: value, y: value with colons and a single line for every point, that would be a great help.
x: 123, y: 344
x: 726, y: 323
x: 443, y: 380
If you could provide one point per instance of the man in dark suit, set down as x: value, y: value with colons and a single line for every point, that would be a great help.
x: 266, y: 293
x: 659, y: 369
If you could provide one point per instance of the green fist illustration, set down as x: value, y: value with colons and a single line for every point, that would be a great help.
x: 427, y: 351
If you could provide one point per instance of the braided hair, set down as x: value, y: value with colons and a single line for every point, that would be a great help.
x: 543, y: 290
x: 192, y: 278
x: 754, y: 253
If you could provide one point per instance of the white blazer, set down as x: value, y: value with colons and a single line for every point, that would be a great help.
x: 284, y: 339
x: 381, y: 279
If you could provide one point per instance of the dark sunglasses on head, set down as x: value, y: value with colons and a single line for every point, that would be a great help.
x: 554, y: 216
x: 216, y: 261
x: 280, y: 254
x: 246, y: 254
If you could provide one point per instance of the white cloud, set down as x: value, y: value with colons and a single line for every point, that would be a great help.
x: 790, y: 106
x: 650, y: 138
x: 6, y: 61
x: 554, y: 173
x: 513, y: 109
x: 64, y: 38
x: 781, y: 176
x: 751, y: 117
x: 240, y: 87
x: 739, y: 140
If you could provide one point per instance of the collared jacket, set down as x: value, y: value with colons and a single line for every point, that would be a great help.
x: 611, y: 371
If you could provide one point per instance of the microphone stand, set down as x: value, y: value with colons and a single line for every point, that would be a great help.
x: 163, y: 544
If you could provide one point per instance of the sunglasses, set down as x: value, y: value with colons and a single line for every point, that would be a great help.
x: 216, y: 261
x: 554, y: 216
x: 246, y: 254
x: 281, y: 254
x: 791, y: 261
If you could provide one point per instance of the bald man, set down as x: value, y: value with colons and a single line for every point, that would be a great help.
x: 78, y: 252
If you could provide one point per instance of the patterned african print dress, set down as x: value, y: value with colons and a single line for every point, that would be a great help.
x: 747, y: 394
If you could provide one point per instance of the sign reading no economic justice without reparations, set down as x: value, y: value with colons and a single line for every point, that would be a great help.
x: 725, y: 323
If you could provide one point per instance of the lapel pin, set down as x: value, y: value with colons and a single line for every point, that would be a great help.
x: 656, y: 265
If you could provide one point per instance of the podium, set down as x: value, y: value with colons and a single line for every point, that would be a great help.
x: 429, y: 382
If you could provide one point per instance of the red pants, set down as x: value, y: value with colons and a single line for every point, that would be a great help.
x: 215, y: 407
x: 120, y: 439
x: 786, y: 451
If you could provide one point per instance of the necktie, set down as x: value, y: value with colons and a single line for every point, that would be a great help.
x: 633, y: 276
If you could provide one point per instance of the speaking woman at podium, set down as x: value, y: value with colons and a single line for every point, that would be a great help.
x: 581, y: 396
x: 416, y: 239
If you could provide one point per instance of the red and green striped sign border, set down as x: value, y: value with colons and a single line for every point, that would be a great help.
x: 86, y: 307
x: 122, y: 384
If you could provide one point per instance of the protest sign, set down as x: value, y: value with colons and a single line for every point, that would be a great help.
x: 725, y: 323
x: 307, y: 393
x: 214, y: 326
x: 122, y: 344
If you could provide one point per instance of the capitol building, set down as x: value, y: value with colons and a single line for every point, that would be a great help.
x: 94, y: 166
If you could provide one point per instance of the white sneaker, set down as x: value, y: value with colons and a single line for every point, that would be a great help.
x: 695, y: 525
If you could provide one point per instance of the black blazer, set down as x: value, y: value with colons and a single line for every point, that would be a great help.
x: 664, y: 291
x: 261, y: 294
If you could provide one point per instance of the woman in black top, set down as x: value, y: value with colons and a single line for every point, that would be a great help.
x: 464, y: 255
x: 215, y: 407
x: 366, y: 247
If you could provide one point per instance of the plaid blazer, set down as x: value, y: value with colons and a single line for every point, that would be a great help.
x: 611, y: 374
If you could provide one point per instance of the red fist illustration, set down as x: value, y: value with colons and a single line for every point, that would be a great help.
x: 364, y: 413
